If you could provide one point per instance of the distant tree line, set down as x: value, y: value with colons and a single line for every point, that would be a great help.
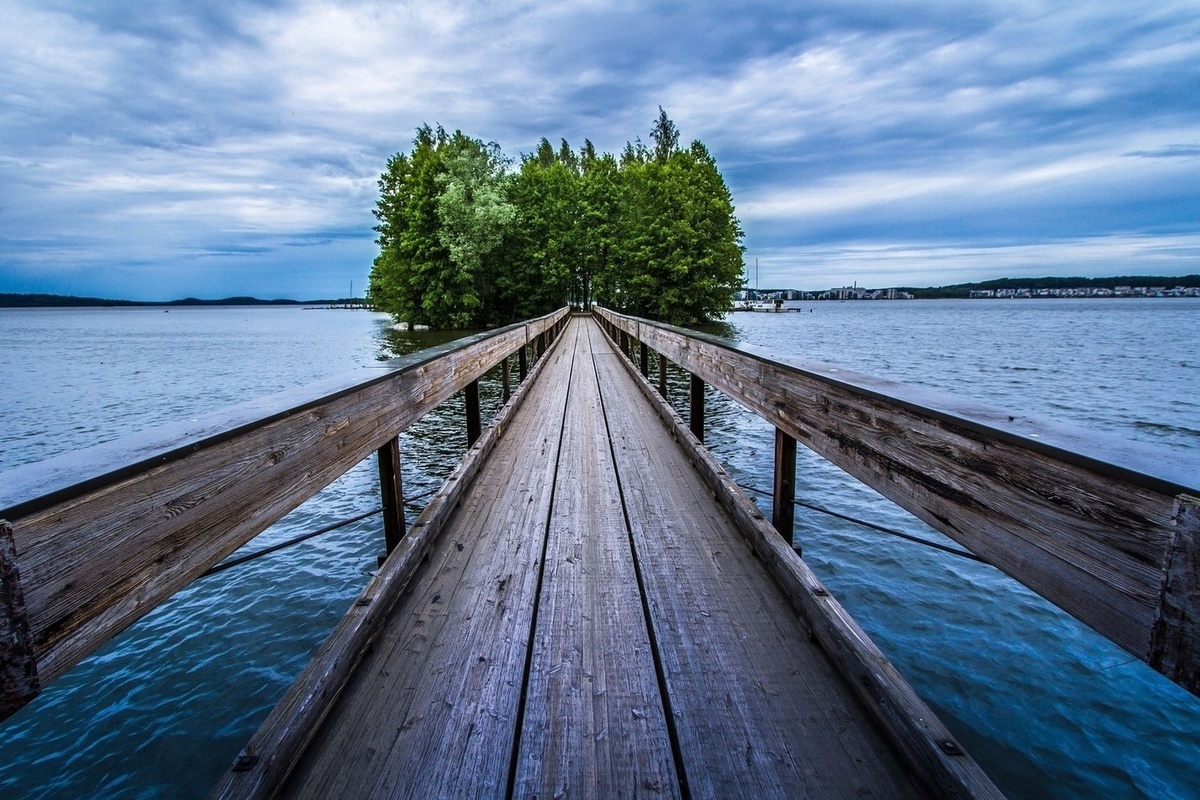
x: 9, y: 300
x: 467, y: 239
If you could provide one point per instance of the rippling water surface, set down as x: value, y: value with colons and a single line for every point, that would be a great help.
x: 1047, y: 707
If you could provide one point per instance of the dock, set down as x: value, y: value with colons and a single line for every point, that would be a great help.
x: 589, y: 606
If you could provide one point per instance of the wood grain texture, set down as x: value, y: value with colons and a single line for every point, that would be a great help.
x: 432, y: 709
x: 941, y: 764
x: 759, y: 710
x: 116, y: 531
x: 593, y: 724
x: 1089, y: 534
x: 521, y: 659
x: 1177, y: 631
x: 274, y: 750
x: 19, y: 682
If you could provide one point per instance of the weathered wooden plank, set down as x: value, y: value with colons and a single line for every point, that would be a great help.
x: 1088, y: 529
x: 928, y: 746
x: 594, y: 724
x: 278, y: 745
x: 758, y: 709
x: 432, y: 709
x: 1176, y: 641
x: 107, y: 534
x: 19, y: 681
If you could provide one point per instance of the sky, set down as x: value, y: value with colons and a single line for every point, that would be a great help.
x: 212, y: 148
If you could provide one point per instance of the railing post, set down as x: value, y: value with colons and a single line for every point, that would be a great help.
x: 19, y: 681
x: 662, y: 375
x: 391, y: 489
x: 505, y: 378
x: 623, y: 338
x: 784, y: 496
x: 697, y: 413
x: 523, y: 362
x: 644, y: 352
x: 474, y: 424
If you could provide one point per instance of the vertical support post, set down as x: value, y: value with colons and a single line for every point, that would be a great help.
x: 474, y: 423
x: 506, y: 379
x: 19, y: 682
x: 644, y: 352
x: 662, y: 375
x: 625, y: 343
x: 523, y: 362
x: 783, y: 499
x: 697, y: 406
x: 391, y: 489
x: 1175, y: 638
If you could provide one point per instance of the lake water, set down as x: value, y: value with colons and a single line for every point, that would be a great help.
x: 1045, y: 706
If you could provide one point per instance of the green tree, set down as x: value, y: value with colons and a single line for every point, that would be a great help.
x: 411, y: 254
x: 464, y: 242
x: 679, y: 252
x: 474, y: 214
x: 544, y: 248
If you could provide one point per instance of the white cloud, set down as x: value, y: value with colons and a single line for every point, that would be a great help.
x: 151, y: 137
x: 913, y: 263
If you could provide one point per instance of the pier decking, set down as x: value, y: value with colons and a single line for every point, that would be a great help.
x: 590, y: 623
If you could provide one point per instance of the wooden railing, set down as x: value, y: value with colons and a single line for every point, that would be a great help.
x: 1108, y: 530
x: 92, y: 541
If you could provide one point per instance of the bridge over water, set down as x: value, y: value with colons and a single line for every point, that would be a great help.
x: 590, y: 606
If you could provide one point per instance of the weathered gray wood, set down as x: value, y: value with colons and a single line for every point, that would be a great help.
x: 274, y: 750
x: 1176, y: 641
x: 391, y: 491
x: 19, y: 681
x: 783, y: 496
x: 759, y: 710
x: 105, y: 535
x: 593, y: 725
x: 1087, y: 529
x: 696, y: 406
x: 506, y: 378
x: 936, y: 758
x: 432, y: 709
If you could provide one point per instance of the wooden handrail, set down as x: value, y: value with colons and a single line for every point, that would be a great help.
x: 1106, y: 529
x: 100, y: 537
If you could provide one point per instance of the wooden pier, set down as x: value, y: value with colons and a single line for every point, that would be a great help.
x: 589, y: 622
x: 590, y: 607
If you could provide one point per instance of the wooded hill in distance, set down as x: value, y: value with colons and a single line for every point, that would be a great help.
x: 10, y: 300
x: 466, y: 241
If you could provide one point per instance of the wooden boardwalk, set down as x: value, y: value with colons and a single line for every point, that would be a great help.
x: 591, y: 624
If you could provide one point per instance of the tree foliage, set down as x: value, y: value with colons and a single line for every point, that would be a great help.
x: 465, y: 240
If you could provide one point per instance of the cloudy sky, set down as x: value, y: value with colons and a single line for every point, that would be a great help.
x: 218, y: 147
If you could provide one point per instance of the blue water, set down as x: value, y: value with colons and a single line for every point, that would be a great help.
x: 1046, y: 707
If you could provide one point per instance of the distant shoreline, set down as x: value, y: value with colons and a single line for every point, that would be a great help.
x: 11, y: 300
x: 1120, y: 286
